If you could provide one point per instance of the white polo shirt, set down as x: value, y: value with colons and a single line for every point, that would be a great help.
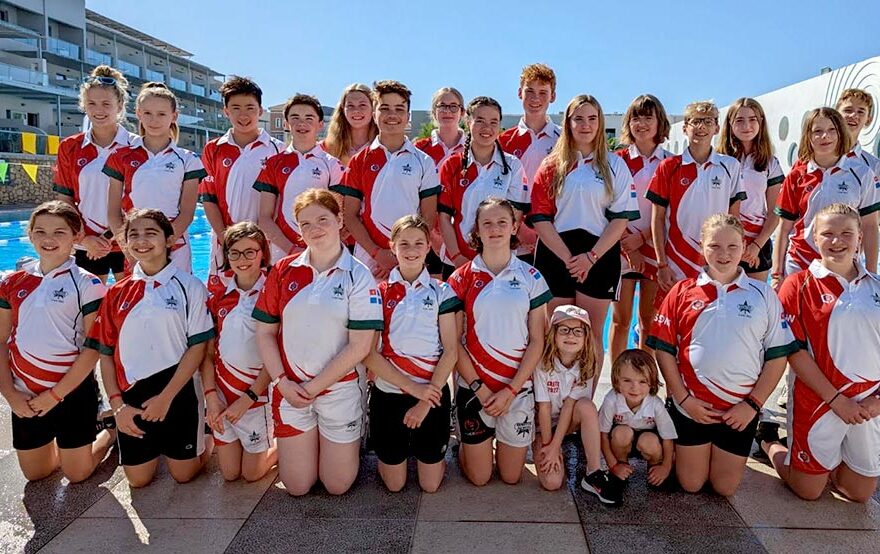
x: 557, y: 385
x: 237, y: 361
x: 153, y: 180
x: 530, y: 147
x: 722, y: 335
x: 753, y: 210
x: 78, y: 174
x: 389, y: 185
x: 411, y: 335
x: 47, y: 317
x: 497, y: 313
x: 231, y: 172
x: 462, y: 192
x: 147, y: 322
x: 691, y: 192
x: 838, y: 321
x: 583, y: 202
x: 808, y: 188
x: 316, y: 310
x: 289, y: 174
x: 649, y: 416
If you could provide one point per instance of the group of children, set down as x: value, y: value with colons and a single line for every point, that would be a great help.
x: 471, y: 271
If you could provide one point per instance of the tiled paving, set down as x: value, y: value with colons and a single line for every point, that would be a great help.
x: 208, y: 515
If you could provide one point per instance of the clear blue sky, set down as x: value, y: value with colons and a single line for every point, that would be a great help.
x: 678, y: 50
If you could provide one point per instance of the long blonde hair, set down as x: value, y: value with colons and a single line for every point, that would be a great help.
x: 564, y: 154
x: 586, y: 358
x: 339, y: 142
x: 155, y: 89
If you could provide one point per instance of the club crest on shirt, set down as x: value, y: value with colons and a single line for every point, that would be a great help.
x: 293, y: 286
x: 618, y: 418
x: 82, y: 162
x: 478, y: 284
x: 391, y: 304
x: 286, y: 170
x: 498, y: 183
x: 876, y: 298
x: 374, y: 167
x: 553, y: 387
x: 124, y: 306
x: 518, y: 153
x: 745, y: 309
x: 685, y: 181
x: 697, y: 305
x: 134, y: 163
x: 170, y: 303
x: 316, y: 173
x: 169, y: 167
x: 59, y: 295
x: 406, y: 169
x: 716, y: 183
x: 222, y: 312
x: 227, y: 162
x: 827, y: 298
x: 338, y: 291
x: 22, y: 293
x: 515, y: 284
x: 523, y: 427
x: 842, y: 188
x: 464, y: 182
x: 428, y: 303
x: 803, y: 456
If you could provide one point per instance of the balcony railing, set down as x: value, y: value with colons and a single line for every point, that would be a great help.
x: 98, y: 58
x: 22, y: 75
x: 178, y: 84
x: 62, y: 48
x: 197, y: 89
x: 214, y: 95
x: 128, y: 68
x: 151, y: 75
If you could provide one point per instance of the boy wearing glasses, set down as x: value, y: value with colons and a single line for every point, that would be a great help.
x: 685, y: 190
x: 387, y: 180
x: 233, y: 162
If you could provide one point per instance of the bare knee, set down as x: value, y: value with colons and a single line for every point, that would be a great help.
x: 478, y: 477
x: 649, y: 446
x: 807, y: 493
x: 394, y: 484
x: 77, y: 474
x: 622, y: 435
x: 139, y: 481
x: 552, y: 482
x: 690, y: 483
x: 37, y: 473
x: 586, y: 410
x: 724, y: 487
x: 340, y: 487
x: 184, y: 476
x: 511, y: 477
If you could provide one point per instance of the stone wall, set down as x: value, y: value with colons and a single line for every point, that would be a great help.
x: 19, y: 190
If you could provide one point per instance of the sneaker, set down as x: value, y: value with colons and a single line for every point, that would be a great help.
x: 766, y: 432
x: 599, y: 484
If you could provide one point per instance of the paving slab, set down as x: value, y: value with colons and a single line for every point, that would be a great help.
x: 208, y: 496
x: 797, y: 541
x: 433, y: 537
x: 192, y: 536
x: 368, y: 499
x: 763, y: 501
x: 625, y: 539
x: 374, y: 536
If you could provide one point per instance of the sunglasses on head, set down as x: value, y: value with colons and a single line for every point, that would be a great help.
x: 101, y: 80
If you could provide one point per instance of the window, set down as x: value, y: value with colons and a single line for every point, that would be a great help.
x: 278, y: 122
x: 60, y: 77
x: 4, y: 15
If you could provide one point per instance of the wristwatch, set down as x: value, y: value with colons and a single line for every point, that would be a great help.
x: 475, y: 385
x: 108, y: 234
x: 251, y: 394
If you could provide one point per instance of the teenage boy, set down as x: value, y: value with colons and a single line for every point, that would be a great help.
x: 387, y: 180
x: 233, y: 162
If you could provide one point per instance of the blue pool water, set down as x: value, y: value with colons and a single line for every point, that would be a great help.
x: 14, y: 245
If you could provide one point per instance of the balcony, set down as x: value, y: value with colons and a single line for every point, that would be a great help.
x: 178, y: 84
x: 22, y: 75
x: 62, y: 48
x: 197, y: 89
x: 215, y: 95
x: 98, y: 58
x: 128, y: 68
x: 151, y: 75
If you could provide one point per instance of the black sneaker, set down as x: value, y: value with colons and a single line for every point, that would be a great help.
x: 766, y: 432
x: 599, y: 484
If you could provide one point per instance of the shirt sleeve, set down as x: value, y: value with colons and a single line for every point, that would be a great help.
x: 430, y: 185
x: 92, y: 293
x: 778, y: 341
x: 199, y: 324
x: 870, y: 200
x: 351, y: 183
x: 459, y: 281
x: 104, y: 334
x: 336, y: 170
x: 449, y: 301
x: 790, y: 302
x: 788, y: 201
x: 193, y: 168
x: 266, y: 179
x: 268, y: 307
x: 63, y: 182
x: 518, y: 191
x: 543, y: 206
x: 658, y: 188
x: 663, y: 334
x: 738, y: 190
x: 5, y: 303
x: 665, y: 426
x: 207, y: 189
x: 113, y: 166
x: 364, y: 302
x: 540, y: 380
x: 624, y: 202
x: 774, y: 173
x: 540, y: 293
x: 606, y: 412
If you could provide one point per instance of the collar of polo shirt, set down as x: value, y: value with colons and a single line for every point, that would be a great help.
x: 317, y: 150
x: 435, y: 140
x: 582, y: 160
x: 633, y: 153
x: 479, y: 265
x: 344, y: 262
x: 423, y: 279
x: 407, y: 146
x: 33, y: 268
x: 523, y: 128
x: 231, y: 285
x: 138, y: 142
x: 740, y: 281
x: 686, y: 157
x: 137, y: 274
x: 262, y: 138
x: 122, y: 137
x: 820, y: 271
x: 811, y: 165
x: 496, y: 158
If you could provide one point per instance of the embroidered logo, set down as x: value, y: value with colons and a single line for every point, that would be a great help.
x: 171, y: 303
x: 524, y: 427
x: 478, y: 284
x: 827, y: 298
x: 464, y: 182
x: 390, y: 304
x: 316, y: 173
x: 406, y: 169
x: 553, y: 387
x: 685, y: 181
x: 22, y: 293
x: 697, y: 305
x: 375, y: 297
x: 227, y: 162
x: 222, y: 312
x: 745, y: 309
x: 876, y: 298
x: 124, y: 306
x: 351, y: 426
x: 286, y: 170
x: 618, y: 418
x: 338, y: 291
x: 716, y: 183
x: 515, y: 284
x: 82, y: 162
x: 498, y: 183
x: 428, y: 302
x: 59, y: 295
x: 842, y: 188
x: 134, y: 163
x: 293, y: 286
x: 374, y: 167
x: 255, y: 437
x: 518, y: 153
x: 803, y: 457
x: 169, y: 166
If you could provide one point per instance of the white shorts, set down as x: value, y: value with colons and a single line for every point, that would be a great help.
x: 254, y: 430
x: 337, y: 414
x: 820, y: 447
x: 516, y: 428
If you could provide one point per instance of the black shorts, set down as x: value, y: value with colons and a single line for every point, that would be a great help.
x: 433, y: 263
x: 394, y: 442
x: 178, y: 437
x: 114, y: 262
x: 691, y: 433
x: 633, y: 450
x: 72, y: 423
x: 528, y: 258
x: 467, y: 406
x: 602, y: 281
x: 447, y: 271
x: 765, y: 260
x: 633, y: 275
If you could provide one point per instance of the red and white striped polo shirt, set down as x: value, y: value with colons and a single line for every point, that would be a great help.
x: 530, y: 147
x: 147, y: 322
x: 47, y: 321
x: 462, y: 192
x: 437, y: 149
x: 691, y: 192
x: 316, y: 310
x: 411, y: 337
x: 722, y: 335
x: 753, y: 210
x: 497, y: 313
x: 231, y: 172
x: 237, y: 361
x: 808, y: 188
x: 78, y: 174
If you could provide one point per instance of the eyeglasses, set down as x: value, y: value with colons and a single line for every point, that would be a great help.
x: 101, y: 80
x: 576, y: 331
x: 235, y: 255
x: 701, y: 122
x: 448, y: 108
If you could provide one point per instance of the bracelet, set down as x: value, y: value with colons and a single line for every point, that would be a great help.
x: 682, y: 401
x: 752, y: 403
x: 833, y: 398
x: 593, y: 256
x: 252, y: 395
x: 511, y: 389
x: 54, y: 395
x: 775, y: 275
x: 209, y: 391
x: 662, y: 265
x: 114, y: 396
x: 451, y: 255
x: 119, y: 409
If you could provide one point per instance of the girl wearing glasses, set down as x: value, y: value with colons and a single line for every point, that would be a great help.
x: 563, y: 388
x: 233, y: 375
x: 447, y: 109
x: 826, y: 175
x: 81, y: 157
